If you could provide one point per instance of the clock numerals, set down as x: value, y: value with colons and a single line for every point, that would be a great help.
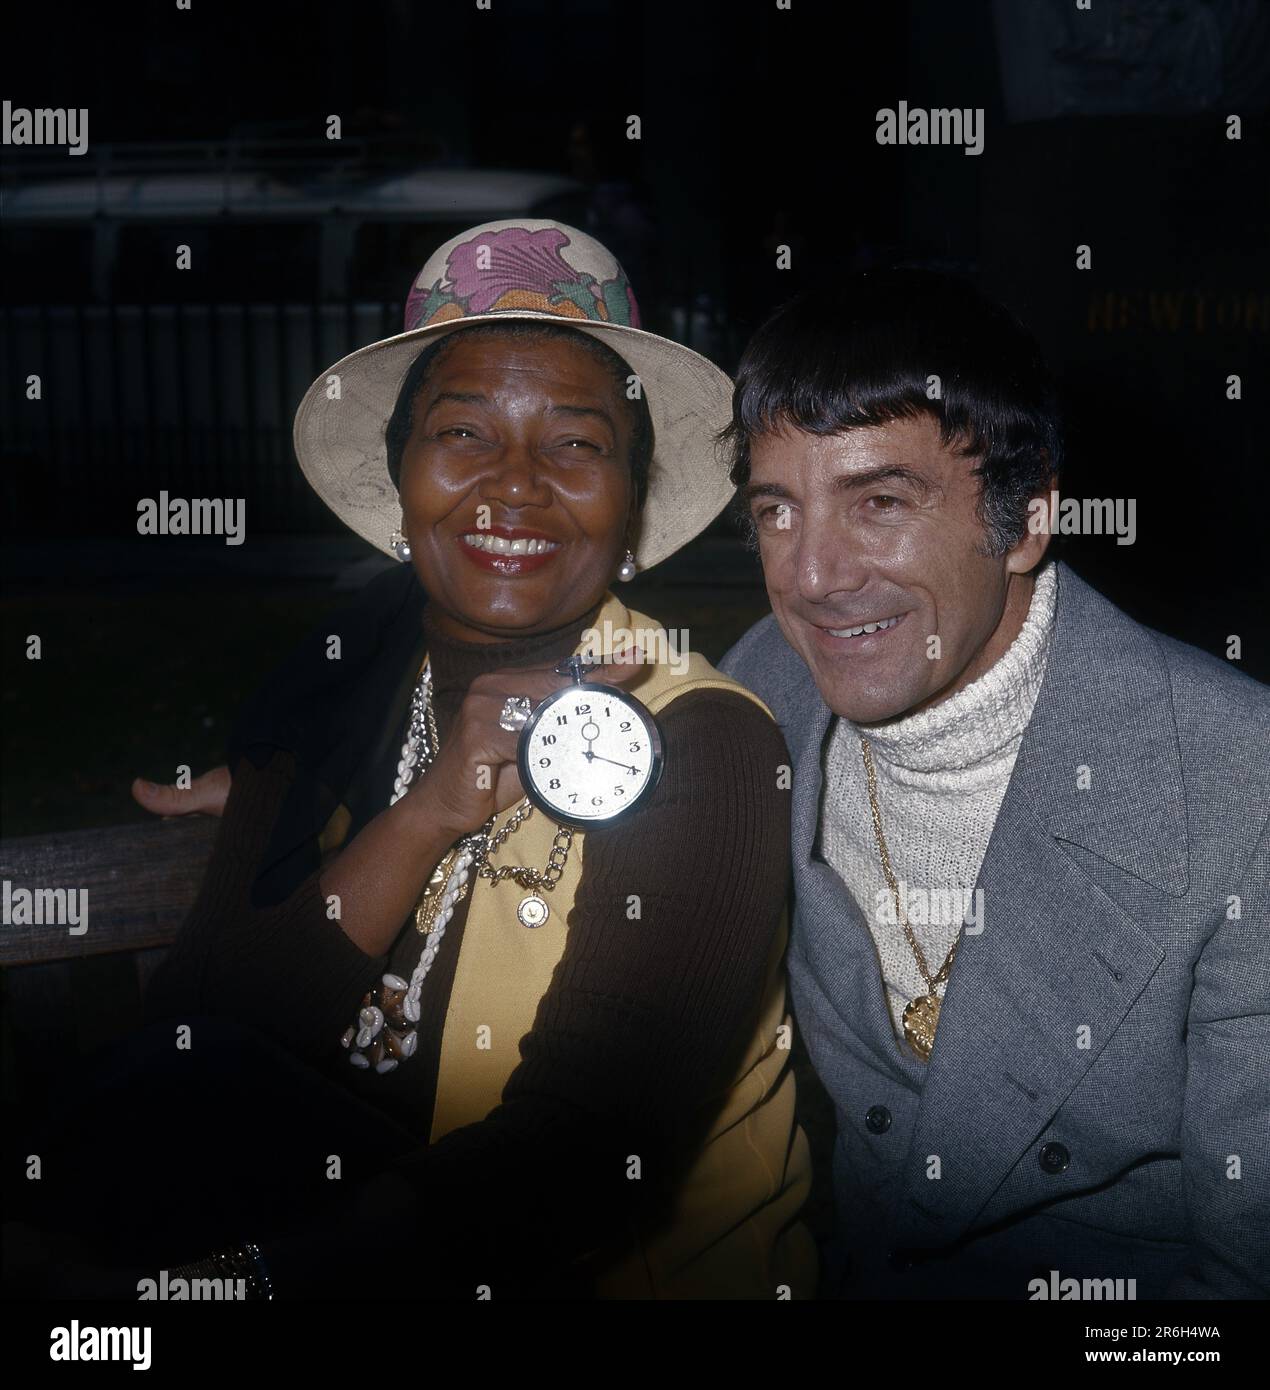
x: 591, y: 759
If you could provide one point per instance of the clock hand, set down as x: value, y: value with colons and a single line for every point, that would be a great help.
x: 614, y: 761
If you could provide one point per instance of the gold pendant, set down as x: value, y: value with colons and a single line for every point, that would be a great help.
x: 921, y: 1018
x: 427, y: 909
x: 532, y: 911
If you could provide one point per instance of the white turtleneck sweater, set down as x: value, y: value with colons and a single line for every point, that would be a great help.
x: 941, y: 775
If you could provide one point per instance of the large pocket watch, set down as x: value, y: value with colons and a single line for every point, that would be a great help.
x: 590, y: 753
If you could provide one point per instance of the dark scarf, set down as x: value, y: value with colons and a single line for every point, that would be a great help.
x: 344, y: 721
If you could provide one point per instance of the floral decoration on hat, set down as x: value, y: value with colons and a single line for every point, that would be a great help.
x: 513, y: 270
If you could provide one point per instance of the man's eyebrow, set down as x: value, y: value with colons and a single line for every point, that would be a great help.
x: 752, y: 490
x: 887, y: 473
x: 846, y: 482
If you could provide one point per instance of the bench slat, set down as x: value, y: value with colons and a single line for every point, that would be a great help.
x: 141, y: 881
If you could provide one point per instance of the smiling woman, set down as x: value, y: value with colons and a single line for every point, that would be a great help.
x: 572, y: 453
x: 546, y: 1056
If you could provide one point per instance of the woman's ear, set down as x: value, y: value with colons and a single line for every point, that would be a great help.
x: 630, y: 533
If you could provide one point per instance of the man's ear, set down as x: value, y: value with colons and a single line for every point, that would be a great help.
x: 1029, y: 550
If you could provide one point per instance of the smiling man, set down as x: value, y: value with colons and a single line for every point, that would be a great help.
x: 1075, y: 1075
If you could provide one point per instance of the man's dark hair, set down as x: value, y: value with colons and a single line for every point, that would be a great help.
x: 864, y: 353
x: 397, y: 431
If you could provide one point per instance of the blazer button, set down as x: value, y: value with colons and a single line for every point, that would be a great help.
x: 1054, y: 1158
x: 878, y: 1119
x: 901, y: 1260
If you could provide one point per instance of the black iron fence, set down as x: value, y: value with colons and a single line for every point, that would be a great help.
x: 104, y: 405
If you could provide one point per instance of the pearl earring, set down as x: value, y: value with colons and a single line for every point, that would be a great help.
x: 626, y: 570
x: 400, y: 546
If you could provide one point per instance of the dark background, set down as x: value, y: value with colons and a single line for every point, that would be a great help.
x: 206, y: 128
x: 1106, y: 128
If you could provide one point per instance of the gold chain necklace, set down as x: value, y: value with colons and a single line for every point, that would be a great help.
x: 921, y: 1015
x: 532, y: 911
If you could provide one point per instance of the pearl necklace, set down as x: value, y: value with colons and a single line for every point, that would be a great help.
x: 422, y: 740
x: 384, y: 1034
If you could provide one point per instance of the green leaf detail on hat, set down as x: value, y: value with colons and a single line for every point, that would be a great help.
x: 420, y: 308
x: 577, y: 292
x: 617, y: 300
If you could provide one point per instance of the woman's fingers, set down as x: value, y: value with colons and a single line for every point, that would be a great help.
x: 475, y: 771
x: 206, y: 795
x: 624, y: 666
x: 536, y: 683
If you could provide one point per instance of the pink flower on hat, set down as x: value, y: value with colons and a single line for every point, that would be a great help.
x: 518, y: 260
x: 515, y: 268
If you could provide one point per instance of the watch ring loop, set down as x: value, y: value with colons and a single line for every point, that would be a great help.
x: 515, y: 713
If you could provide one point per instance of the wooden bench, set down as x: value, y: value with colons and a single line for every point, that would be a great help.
x: 63, y: 995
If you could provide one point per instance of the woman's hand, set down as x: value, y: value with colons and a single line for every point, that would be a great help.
x: 475, y: 775
x: 377, y: 878
x: 206, y: 795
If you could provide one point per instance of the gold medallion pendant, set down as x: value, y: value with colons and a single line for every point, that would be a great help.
x: 426, y: 911
x: 532, y: 912
x: 921, y: 1018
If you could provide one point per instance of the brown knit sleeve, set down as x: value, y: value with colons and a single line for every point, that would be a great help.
x: 645, y: 1019
x: 288, y: 969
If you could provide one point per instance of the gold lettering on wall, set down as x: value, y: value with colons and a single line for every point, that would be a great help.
x: 1178, y: 311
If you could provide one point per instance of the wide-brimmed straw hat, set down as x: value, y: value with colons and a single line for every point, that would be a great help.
x: 534, y: 270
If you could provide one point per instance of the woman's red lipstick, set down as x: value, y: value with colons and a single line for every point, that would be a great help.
x: 491, y: 549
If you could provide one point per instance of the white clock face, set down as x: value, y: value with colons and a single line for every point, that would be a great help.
x: 590, y: 753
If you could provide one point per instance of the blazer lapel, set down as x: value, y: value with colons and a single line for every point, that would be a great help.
x: 828, y: 924
x: 1055, y: 957
x: 1056, y: 954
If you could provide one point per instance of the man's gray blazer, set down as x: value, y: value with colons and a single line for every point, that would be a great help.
x: 1098, y: 1100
